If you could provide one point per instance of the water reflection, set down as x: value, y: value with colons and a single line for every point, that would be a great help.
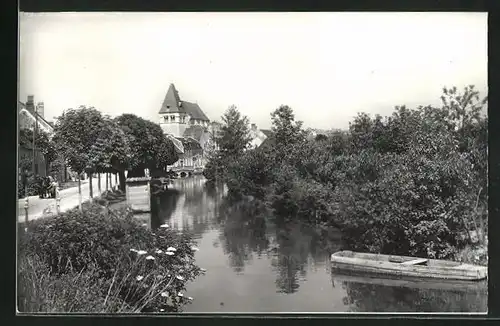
x: 242, y: 234
x: 416, y: 297
x: 258, y: 263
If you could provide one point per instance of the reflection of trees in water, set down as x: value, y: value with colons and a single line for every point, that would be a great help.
x: 243, y: 232
x: 294, y: 245
x: 297, y: 245
x: 163, y: 206
x: 381, y: 298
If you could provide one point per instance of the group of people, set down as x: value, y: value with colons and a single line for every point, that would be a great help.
x: 47, y: 187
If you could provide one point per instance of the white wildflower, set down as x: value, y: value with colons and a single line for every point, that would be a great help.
x: 162, y: 310
x: 164, y: 294
x: 180, y: 278
x: 133, y: 250
x: 141, y: 252
x: 169, y: 253
x: 164, y: 225
x: 150, y: 257
x: 190, y: 298
x: 180, y: 294
x: 158, y: 251
x: 193, y: 248
x: 171, y: 249
x: 139, y: 278
x: 25, y: 229
x: 144, y: 224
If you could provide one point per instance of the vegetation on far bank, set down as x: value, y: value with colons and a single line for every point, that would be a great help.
x: 412, y: 183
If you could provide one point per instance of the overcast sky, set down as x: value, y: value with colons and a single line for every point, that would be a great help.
x: 326, y: 66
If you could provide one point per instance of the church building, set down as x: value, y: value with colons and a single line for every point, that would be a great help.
x: 187, y: 126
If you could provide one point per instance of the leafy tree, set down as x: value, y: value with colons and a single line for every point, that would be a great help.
x: 149, y: 147
x: 321, y: 137
x: 232, y: 140
x: 110, y: 153
x: 234, y: 134
x: 285, y: 128
x: 43, y: 142
x: 75, y: 133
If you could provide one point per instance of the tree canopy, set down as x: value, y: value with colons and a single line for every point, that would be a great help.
x: 111, y: 151
x: 234, y: 134
x: 149, y: 147
x: 75, y: 133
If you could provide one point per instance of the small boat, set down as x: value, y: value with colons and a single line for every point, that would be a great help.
x: 404, y: 266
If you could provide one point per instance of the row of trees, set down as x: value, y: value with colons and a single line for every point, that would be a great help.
x: 414, y: 182
x: 91, y: 142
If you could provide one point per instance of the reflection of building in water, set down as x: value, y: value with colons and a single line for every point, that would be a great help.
x: 194, y: 209
x: 177, y: 219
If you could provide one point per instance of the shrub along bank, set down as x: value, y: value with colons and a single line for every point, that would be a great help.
x: 102, y: 260
x: 412, y: 183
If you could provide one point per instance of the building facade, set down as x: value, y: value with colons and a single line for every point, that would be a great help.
x: 187, y: 126
x: 30, y: 115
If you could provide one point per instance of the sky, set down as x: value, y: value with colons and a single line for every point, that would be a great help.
x: 326, y: 66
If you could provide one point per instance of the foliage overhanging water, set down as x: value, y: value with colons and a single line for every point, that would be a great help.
x: 256, y: 263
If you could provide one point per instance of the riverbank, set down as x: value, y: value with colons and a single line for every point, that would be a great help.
x: 102, y: 260
x: 257, y: 262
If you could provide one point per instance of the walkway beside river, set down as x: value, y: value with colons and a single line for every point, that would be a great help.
x: 69, y: 199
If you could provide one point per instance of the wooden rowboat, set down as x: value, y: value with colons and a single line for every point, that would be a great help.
x: 404, y: 266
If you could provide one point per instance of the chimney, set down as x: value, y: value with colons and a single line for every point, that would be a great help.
x: 30, y: 103
x: 40, y: 109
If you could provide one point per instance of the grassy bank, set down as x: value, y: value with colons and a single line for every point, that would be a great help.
x: 102, y: 260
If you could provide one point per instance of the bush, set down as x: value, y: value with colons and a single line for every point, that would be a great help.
x: 412, y: 183
x: 116, y: 251
x: 250, y: 174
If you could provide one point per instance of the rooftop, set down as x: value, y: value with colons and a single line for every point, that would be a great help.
x: 173, y: 104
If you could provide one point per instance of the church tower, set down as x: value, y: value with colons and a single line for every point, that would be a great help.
x: 174, y: 118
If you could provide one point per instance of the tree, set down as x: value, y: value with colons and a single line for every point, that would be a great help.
x: 75, y: 133
x: 149, y: 147
x: 232, y: 140
x: 234, y: 134
x: 111, y: 152
x: 43, y: 143
x: 286, y: 130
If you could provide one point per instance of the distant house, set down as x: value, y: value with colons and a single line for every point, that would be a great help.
x: 29, y: 115
x: 187, y: 126
x: 258, y: 136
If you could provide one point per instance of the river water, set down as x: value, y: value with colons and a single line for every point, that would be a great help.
x: 256, y: 264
